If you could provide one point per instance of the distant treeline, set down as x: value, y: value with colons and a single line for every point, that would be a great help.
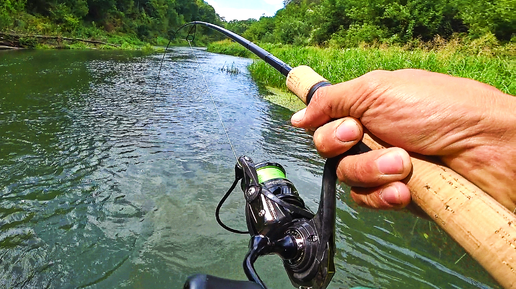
x: 349, y: 22
x: 337, y: 23
x: 145, y: 20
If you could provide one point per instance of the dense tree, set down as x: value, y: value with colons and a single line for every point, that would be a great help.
x: 146, y: 19
x: 349, y: 22
x: 489, y: 16
x: 238, y: 26
x: 9, y: 8
x: 261, y: 30
x: 300, y: 22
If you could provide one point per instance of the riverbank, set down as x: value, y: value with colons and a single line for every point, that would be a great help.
x: 128, y: 25
x: 481, y: 60
x: 11, y: 40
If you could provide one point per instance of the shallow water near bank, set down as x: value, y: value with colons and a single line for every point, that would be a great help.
x: 110, y: 178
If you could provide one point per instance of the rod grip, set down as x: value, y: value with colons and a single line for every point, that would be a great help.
x: 481, y: 225
x: 302, y: 81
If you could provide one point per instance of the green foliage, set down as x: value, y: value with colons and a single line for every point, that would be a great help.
x: 121, y: 21
x: 161, y: 41
x: 8, y: 10
x: 239, y: 27
x: 28, y: 42
x: 334, y: 23
x: 148, y: 48
x: 357, y: 34
x: 347, y: 23
x: 496, y: 17
x: 229, y: 47
x: 261, y: 30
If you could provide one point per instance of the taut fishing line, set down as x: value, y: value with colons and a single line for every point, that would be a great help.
x: 161, y: 65
x: 213, y: 101
x: 189, y: 38
x: 226, y: 195
x: 276, y: 216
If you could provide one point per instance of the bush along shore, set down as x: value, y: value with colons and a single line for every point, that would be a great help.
x: 119, y: 24
x: 480, y: 60
x: 35, y: 41
x: 99, y: 39
x: 13, y: 40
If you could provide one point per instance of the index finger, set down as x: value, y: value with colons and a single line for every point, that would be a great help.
x: 350, y: 98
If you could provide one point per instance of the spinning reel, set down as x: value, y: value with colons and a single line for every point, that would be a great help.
x: 280, y: 223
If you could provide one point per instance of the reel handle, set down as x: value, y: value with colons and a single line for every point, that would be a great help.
x: 481, y: 225
x: 202, y: 281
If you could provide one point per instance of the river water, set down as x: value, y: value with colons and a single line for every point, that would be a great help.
x: 109, y: 178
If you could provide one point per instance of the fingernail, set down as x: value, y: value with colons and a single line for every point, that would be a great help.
x: 347, y: 131
x: 391, y: 195
x: 298, y: 116
x: 390, y: 164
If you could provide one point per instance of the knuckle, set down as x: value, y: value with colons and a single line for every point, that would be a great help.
x: 319, y: 140
x: 365, y: 172
x: 319, y: 100
x: 319, y: 94
x: 358, y: 198
x: 354, y: 171
x: 374, y: 79
x: 373, y: 200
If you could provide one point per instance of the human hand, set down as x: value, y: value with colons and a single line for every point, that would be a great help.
x: 469, y: 125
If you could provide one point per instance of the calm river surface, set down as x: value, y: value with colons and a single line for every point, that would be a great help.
x: 110, y: 178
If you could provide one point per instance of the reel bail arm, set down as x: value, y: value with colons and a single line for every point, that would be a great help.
x: 280, y: 223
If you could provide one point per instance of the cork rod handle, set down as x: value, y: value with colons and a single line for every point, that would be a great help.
x: 481, y: 225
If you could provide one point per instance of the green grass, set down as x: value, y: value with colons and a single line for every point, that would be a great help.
x: 230, y: 48
x: 339, y: 65
x: 493, y: 65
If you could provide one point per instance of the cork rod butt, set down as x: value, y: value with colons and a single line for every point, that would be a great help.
x: 301, y: 79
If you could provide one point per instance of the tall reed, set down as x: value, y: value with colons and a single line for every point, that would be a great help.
x: 339, y: 65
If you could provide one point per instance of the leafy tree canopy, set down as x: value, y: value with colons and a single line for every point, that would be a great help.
x: 350, y: 22
x: 145, y: 19
x: 301, y: 22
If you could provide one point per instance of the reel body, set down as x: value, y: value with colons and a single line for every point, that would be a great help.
x: 280, y: 223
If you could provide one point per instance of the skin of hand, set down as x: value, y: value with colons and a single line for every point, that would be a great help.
x: 469, y: 125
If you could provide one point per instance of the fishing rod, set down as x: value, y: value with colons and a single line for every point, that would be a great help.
x: 278, y: 220
x: 481, y: 225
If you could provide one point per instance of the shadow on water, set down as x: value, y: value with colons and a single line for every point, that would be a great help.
x: 110, y: 179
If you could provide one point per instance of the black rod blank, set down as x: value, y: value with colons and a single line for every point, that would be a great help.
x: 279, y: 65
